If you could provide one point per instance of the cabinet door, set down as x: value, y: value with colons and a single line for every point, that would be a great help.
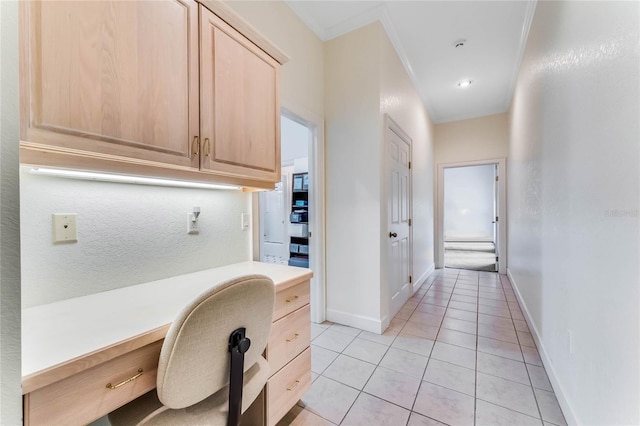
x: 239, y: 107
x: 112, y: 79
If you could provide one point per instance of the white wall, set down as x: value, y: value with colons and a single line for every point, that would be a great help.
x: 469, y: 203
x: 127, y: 234
x: 10, y: 366
x: 294, y: 140
x: 364, y: 80
x: 470, y: 140
x: 399, y: 99
x: 353, y: 177
x: 574, y: 203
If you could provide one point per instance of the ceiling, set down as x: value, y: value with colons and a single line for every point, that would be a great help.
x: 424, y: 35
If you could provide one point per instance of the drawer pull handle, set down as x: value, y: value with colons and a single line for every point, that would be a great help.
x: 293, y: 386
x: 124, y: 382
x: 292, y: 299
x: 295, y: 336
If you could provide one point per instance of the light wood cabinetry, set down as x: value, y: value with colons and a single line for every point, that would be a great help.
x: 289, y: 352
x: 87, y: 392
x: 240, y: 112
x: 162, y: 88
x: 290, y: 299
x: 112, y: 78
x: 65, y: 385
x: 287, y: 386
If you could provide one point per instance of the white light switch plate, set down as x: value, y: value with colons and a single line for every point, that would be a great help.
x: 245, y: 221
x: 64, y: 228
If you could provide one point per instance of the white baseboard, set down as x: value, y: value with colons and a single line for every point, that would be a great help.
x: 362, y: 322
x: 567, y: 410
x: 423, y: 278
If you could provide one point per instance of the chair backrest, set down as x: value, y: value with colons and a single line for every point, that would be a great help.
x: 194, y: 360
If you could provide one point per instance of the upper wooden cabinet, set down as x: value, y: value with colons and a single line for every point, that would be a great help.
x: 239, y: 109
x: 154, y: 88
x: 117, y: 78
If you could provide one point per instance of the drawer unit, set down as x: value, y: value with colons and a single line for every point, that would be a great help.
x: 290, y: 299
x: 287, y: 386
x: 289, y: 337
x: 87, y: 391
x: 75, y: 391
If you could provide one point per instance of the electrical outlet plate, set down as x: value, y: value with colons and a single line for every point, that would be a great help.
x: 192, y: 224
x: 65, y: 228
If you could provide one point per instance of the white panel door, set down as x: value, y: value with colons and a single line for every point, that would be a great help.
x: 399, y: 203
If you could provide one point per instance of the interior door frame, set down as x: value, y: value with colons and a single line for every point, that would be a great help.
x: 502, y: 209
x: 317, y: 244
x: 391, y: 125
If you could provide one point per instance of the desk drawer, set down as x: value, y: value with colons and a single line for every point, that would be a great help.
x: 291, y: 299
x: 287, y: 386
x: 85, y: 397
x: 289, y: 336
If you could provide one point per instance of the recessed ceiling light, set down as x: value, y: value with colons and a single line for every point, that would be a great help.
x: 465, y: 83
x: 459, y: 43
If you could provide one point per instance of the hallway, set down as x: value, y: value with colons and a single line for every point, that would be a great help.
x: 459, y: 352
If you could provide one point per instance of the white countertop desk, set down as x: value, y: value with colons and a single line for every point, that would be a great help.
x: 63, y: 338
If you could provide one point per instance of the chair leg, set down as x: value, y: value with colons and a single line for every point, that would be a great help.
x: 238, y: 345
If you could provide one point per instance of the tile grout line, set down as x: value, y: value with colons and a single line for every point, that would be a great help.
x: 361, y: 391
x: 475, y: 388
x: 431, y: 351
x: 455, y: 287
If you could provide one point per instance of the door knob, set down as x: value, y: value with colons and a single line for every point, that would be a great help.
x: 392, y: 235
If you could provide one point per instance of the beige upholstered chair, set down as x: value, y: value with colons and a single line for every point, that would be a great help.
x: 193, y: 370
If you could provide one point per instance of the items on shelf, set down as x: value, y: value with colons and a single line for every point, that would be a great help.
x: 299, y: 218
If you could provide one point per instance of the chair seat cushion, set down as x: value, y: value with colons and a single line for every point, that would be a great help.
x: 148, y: 410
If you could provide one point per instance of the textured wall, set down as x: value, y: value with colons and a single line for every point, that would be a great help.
x: 573, y: 203
x: 400, y: 99
x: 364, y: 80
x: 127, y: 234
x: 10, y: 371
x: 353, y: 177
x: 470, y: 140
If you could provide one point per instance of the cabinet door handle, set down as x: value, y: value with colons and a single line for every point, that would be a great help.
x: 295, y: 336
x: 293, y: 386
x: 206, y: 147
x: 292, y: 299
x: 195, y: 146
x: 124, y: 382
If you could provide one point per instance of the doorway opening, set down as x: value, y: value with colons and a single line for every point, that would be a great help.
x: 470, y: 209
x: 471, y: 216
x: 284, y: 218
x: 289, y: 224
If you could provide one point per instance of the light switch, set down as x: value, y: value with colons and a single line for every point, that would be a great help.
x: 245, y: 221
x: 64, y: 228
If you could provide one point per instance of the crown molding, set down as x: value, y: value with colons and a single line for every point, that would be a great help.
x: 524, y: 35
x: 390, y: 29
x: 308, y: 19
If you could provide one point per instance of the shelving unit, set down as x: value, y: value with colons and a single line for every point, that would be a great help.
x: 299, y: 221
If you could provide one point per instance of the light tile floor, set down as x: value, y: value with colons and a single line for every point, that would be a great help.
x: 459, y: 353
